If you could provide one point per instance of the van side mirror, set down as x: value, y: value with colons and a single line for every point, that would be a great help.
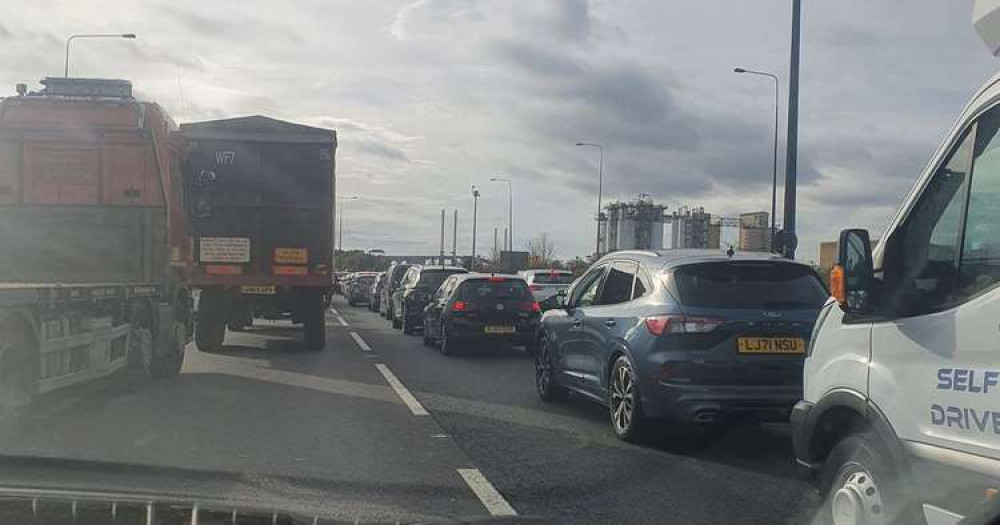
x: 853, y: 276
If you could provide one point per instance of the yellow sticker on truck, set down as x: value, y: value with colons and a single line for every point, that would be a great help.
x: 291, y: 255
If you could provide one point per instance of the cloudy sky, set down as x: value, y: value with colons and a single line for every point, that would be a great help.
x: 432, y: 96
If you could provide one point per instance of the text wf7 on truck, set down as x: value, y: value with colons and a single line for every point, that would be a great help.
x: 262, y: 195
x: 94, y: 239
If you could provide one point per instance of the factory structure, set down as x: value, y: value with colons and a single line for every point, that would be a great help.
x: 641, y: 224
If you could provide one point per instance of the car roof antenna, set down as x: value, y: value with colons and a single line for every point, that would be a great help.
x: 730, y: 252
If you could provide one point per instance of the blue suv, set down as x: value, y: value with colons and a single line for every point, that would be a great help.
x: 695, y: 336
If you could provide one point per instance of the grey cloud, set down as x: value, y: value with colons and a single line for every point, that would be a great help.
x: 146, y: 55
x: 4, y: 32
x: 573, y: 19
x: 238, y: 26
x: 377, y: 148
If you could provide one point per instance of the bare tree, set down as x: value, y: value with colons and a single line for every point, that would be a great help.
x: 541, y: 250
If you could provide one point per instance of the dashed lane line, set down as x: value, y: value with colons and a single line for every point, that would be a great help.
x: 488, y: 496
x: 401, y: 391
x: 361, y: 342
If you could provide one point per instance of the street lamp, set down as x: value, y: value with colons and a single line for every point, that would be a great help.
x: 510, y: 211
x: 600, y: 189
x: 475, y: 210
x: 129, y: 36
x: 341, y: 220
x: 774, y: 162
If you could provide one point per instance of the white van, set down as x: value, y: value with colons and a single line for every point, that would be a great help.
x: 901, y: 412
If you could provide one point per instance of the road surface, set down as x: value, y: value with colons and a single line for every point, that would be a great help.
x: 389, y: 429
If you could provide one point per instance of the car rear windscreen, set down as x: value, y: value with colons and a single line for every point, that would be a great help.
x: 552, y: 278
x: 367, y: 279
x: 433, y: 278
x: 398, y: 273
x: 486, y: 289
x: 749, y: 286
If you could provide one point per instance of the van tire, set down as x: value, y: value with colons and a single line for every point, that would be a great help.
x: 857, y: 470
x: 210, y: 331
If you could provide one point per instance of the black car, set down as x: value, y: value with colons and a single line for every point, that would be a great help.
x: 476, y: 308
x: 694, y: 336
x: 415, y: 291
x: 393, y: 276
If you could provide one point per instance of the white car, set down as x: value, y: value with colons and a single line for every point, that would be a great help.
x: 545, y: 284
x: 901, y: 411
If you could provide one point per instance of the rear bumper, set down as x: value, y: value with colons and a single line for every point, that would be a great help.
x: 717, y: 404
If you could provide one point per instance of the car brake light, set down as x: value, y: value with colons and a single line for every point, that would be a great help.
x: 679, y: 324
x: 533, y: 307
x: 496, y: 279
x: 459, y: 306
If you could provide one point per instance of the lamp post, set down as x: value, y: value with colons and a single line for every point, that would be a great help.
x: 341, y: 220
x: 600, y: 189
x: 792, y: 135
x: 774, y: 162
x: 510, y: 211
x: 129, y: 36
x: 475, y: 210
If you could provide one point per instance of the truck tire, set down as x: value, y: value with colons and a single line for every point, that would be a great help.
x: 168, y: 356
x: 211, y: 321
x: 314, y: 318
x: 18, y: 373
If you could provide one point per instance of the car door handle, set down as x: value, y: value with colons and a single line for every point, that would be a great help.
x: 610, y: 323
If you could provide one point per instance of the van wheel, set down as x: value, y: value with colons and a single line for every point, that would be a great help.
x: 623, y: 401
x: 860, y: 485
x: 18, y: 373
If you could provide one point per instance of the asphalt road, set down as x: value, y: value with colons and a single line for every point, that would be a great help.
x: 379, y: 427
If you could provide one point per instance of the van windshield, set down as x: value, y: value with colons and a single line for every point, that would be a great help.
x: 749, y: 285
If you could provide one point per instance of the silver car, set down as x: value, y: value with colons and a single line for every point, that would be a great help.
x: 545, y: 284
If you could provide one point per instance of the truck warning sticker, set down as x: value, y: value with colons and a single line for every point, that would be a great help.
x: 974, y: 383
x: 291, y: 255
x: 224, y: 249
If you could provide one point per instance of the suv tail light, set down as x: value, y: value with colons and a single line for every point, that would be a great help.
x: 459, y: 306
x: 679, y: 324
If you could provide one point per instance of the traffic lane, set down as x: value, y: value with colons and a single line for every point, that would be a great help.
x: 562, y: 460
x: 280, y: 413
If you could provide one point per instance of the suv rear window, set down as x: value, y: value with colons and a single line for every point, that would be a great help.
x: 485, y: 289
x: 398, y: 272
x: 433, y: 278
x: 749, y: 285
x: 366, y: 279
x: 552, y: 278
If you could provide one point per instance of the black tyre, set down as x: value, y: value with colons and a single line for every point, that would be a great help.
x: 313, y: 320
x: 861, y: 486
x: 428, y: 341
x: 546, y: 382
x: 396, y: 323
x: 623, y: 401
x: 407, y: 324
x: 18, y: 373
x: 446, y: 345
x: 210, y: 331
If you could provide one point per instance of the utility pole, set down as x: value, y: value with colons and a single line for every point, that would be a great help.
x: 475, y: 210
x: 454, y: 240
x: 441, y: 254
x: 792, y: 137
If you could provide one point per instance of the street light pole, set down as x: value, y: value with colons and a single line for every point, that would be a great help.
x: 475, y: 210
x: 510, y: 211
x: 341, y: 220
x: 792, y: 136
x: 600, y: 190
x: 774, y: 162
x: 129, y: 36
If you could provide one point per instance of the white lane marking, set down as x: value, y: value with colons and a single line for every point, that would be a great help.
x: 401, y: 391
x: 361, y: 342
x: 490, y: 498
x: 334, y: 311
x: 342, y: 321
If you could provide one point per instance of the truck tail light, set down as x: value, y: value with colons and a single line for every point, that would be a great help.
x: 223, y: 269
x: 459, y: 306
x: 679, y: 324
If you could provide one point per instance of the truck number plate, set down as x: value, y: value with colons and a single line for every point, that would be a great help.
x: 259, y: 289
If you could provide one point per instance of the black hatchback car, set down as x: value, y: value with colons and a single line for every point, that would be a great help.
x: 479, y: 308
x: 689, y: 335
x: 415, y: 291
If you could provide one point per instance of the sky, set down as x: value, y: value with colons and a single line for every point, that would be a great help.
x: 430, y: 97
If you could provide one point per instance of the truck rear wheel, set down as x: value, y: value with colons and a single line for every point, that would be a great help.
x: 314, y: 318
x: 211, y: 327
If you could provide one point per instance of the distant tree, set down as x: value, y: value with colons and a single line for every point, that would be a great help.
x: 541, y: 250
x: 577, y: 266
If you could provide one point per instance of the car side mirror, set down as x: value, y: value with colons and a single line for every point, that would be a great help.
x: 562, y: 299
x: 852, y: 277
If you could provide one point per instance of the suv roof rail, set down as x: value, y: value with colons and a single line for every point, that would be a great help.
x: 646, y: 253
